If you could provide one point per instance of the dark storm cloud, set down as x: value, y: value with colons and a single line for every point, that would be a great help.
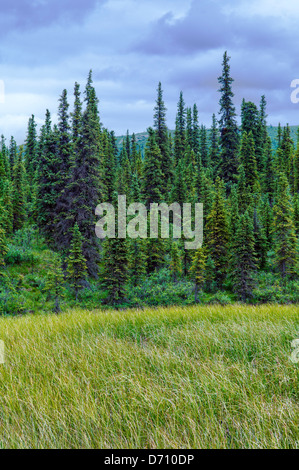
x: 27, y: 14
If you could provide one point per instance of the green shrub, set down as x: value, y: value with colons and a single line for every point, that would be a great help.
x: 17, y: 255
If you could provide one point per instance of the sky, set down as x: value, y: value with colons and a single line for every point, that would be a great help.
x: 131, y: 45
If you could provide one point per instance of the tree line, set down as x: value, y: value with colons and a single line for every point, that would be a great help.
x: 250, y: 193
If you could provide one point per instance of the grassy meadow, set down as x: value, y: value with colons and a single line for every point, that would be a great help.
x: 181, y: 377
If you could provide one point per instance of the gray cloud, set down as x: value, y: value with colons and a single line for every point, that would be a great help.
x: 27, y: 14
x: 210, y: 25
x: 131, y: 45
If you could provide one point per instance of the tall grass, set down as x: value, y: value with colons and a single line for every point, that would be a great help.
x: 194, y: 377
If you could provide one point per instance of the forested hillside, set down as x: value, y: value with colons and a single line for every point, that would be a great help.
x: 247, y: 178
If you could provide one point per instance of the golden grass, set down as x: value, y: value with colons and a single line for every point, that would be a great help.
x: 196, y: 377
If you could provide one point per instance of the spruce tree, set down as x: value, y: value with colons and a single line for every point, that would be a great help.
x: 86, y: 178
x: 196, y: 132
x: 18, y: 195
x: 31, y: 150
x: 229, y: 139
x: 3, y: 247
x: 248, y: 160
x: 62, y: 187
x: 13, y: 155
x: 218, y: 234
x: 55, y: 282
x: 76, y: 263
x: 47, y: 176
x: 115, y: 274
x: 214, y: 145
x: 180, y: 130
x: 162, y: 138
x: 179, y: 192
x: 203, y: 146
x: 251, y: 123
x: 175, y: 261
x: 137, y: 260
x: 189, y: 128
x: 244, y: 259
x: 152, y: 177
x: 285, y: 240
x: 198, y: 270
x: 268, y: 178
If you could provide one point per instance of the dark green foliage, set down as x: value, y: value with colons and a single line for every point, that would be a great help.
x: 248, y: 160
x: 46, y: 194
x: 87, y: 181
x: 115, y: 274
x: 180, y: 130
x: 18, y: 193
x: 248, y: 186
x: 31, y: 151
x: 175, y: 261
x: 214, y: 145
x: 153, y: 183
x: 253, y: 122
x: 198, y: 270
x: 137, y: 261
x: 243, y: 258
x: 13, y: 152
x: 203, y: 147
x: 55, y: 282
x: 76, y: 263
x: 162, y: 138
x: 62, y: 186
x: 217, y: 232
x: 229, y: 139
x: 3, y: 248
x: 196, y: 131
x: 286, y: 255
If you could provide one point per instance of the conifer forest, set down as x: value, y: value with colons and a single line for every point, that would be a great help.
x: 247, y: 182
x: 149, y: 228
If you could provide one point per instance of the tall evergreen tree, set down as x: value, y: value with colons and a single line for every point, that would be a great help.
x: 214, y: 145
x: 251, y: 122
x: 175, y: 261
x: 152, y: 177
x: 86, y: 178
x: 180, y: 130
x: 76, y: 263
x: 218, y: 234
x: 229, y: 139
x: 286, y: 256
x: 244, y: 259
x: 47, y: 175
x: 55, y: 282
x: 248, y: 160
x: 198, y: 270
x: 31, y: 150
x: 13, y: 155
x: 162, y: 137
x: 62, y: 187
x: 196, y: 132
x: 18, y: 196
x: 203, y: 145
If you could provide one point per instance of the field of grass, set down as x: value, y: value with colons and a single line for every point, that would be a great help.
x: 193, y: 377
